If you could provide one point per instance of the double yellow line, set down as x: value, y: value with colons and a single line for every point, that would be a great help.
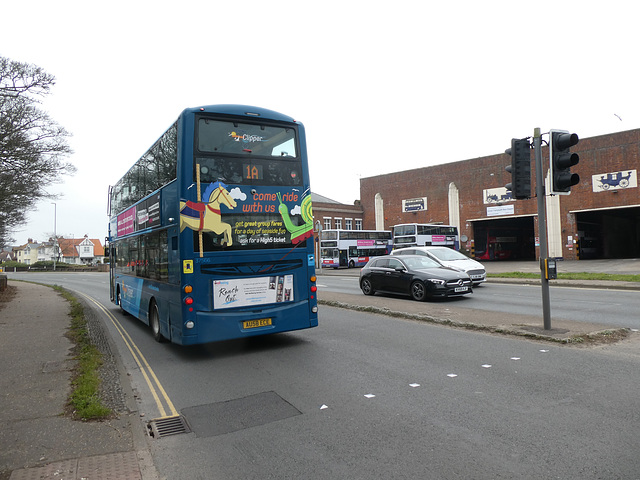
x: 160, y: 396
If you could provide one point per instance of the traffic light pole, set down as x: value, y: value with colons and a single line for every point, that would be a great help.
x: 542, y: 227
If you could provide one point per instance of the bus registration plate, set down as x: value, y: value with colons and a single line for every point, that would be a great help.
x: 261, y: 322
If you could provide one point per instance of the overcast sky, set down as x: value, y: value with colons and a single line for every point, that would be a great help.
x: 380, y: 86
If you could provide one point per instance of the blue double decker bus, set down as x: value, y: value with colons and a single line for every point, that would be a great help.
x: 211, y: 230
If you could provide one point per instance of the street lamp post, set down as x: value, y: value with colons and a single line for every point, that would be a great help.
x: 55, y: 236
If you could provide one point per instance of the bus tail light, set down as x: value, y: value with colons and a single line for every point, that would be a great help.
x: 313, y: 288
x: 188, y: 300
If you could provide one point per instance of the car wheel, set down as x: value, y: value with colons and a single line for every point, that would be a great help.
x: 418, y: 291
x: 366, y: 287
x: 154, y: 322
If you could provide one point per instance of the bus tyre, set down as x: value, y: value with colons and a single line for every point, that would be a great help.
x: 154, y: 322
x: 366, y: 287
x: 352, y: 264
x: 418, y: 291
x: 122, y: 310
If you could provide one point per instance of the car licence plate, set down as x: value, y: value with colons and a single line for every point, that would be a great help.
x: 461, y: 289
x: 261, y: 322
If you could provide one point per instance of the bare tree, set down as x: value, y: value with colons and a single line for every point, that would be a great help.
x: 33, y: 147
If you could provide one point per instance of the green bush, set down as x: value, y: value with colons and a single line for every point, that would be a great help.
x: 14, y: 264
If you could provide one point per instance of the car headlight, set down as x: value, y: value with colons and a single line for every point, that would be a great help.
x: 437, y: 281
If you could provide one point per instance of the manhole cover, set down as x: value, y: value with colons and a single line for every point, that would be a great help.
x: 238, y: 414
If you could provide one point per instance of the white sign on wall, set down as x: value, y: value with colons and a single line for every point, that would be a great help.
x: 602, y: 182
x: 501, y: 210
x: 496, y: 195
x: 414, y: 204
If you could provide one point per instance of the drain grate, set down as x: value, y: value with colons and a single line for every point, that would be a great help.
x: 164, y: 427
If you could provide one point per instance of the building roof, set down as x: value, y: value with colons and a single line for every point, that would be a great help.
x: 6, y: 256
x: 68, y: 246
x: 30, y: 244
x: 320, y: 199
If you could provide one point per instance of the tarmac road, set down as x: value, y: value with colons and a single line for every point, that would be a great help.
x: 38, y: 442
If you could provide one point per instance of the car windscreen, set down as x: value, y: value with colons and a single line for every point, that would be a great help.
x: 447, y: 254
x: 420, y: 262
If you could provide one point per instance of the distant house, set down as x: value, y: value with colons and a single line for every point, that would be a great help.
x: 46, y: 251
x: 81, y: 251
x: 7, y: 256
x: 27, y: 253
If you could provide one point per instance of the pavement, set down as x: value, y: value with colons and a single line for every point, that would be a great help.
x: 38, y: 441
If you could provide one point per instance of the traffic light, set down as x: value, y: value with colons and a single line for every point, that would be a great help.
x: 561, y: 160
x: 520, y: 168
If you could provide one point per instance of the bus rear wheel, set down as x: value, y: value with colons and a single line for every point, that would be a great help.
x: 154, y: 322
x: 122, y: 310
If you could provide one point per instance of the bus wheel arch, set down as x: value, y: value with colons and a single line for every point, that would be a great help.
x: 154, y: 321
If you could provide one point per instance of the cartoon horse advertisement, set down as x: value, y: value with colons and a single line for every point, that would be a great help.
x: 205, y: 216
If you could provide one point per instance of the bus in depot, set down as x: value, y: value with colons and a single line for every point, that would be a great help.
x: 423, y: 234
x: 352, y: 248
x: 211, y: 230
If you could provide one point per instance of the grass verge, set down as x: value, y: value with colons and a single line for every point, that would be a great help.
x: 84, y: 401
x: 571, y: 276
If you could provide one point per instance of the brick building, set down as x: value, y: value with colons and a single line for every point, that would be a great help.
x: 328, y: 214
x: 600, y: 219
x: 332, y: 214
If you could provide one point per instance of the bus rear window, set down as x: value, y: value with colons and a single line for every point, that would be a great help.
x: 217, y: 136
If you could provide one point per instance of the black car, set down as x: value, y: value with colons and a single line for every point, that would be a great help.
x: 415, y: 275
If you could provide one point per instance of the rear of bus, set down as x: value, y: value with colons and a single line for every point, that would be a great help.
x: 246, y: 226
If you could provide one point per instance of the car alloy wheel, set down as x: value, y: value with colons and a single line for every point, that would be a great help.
x: 418, y: 291
x: 366, y: 287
